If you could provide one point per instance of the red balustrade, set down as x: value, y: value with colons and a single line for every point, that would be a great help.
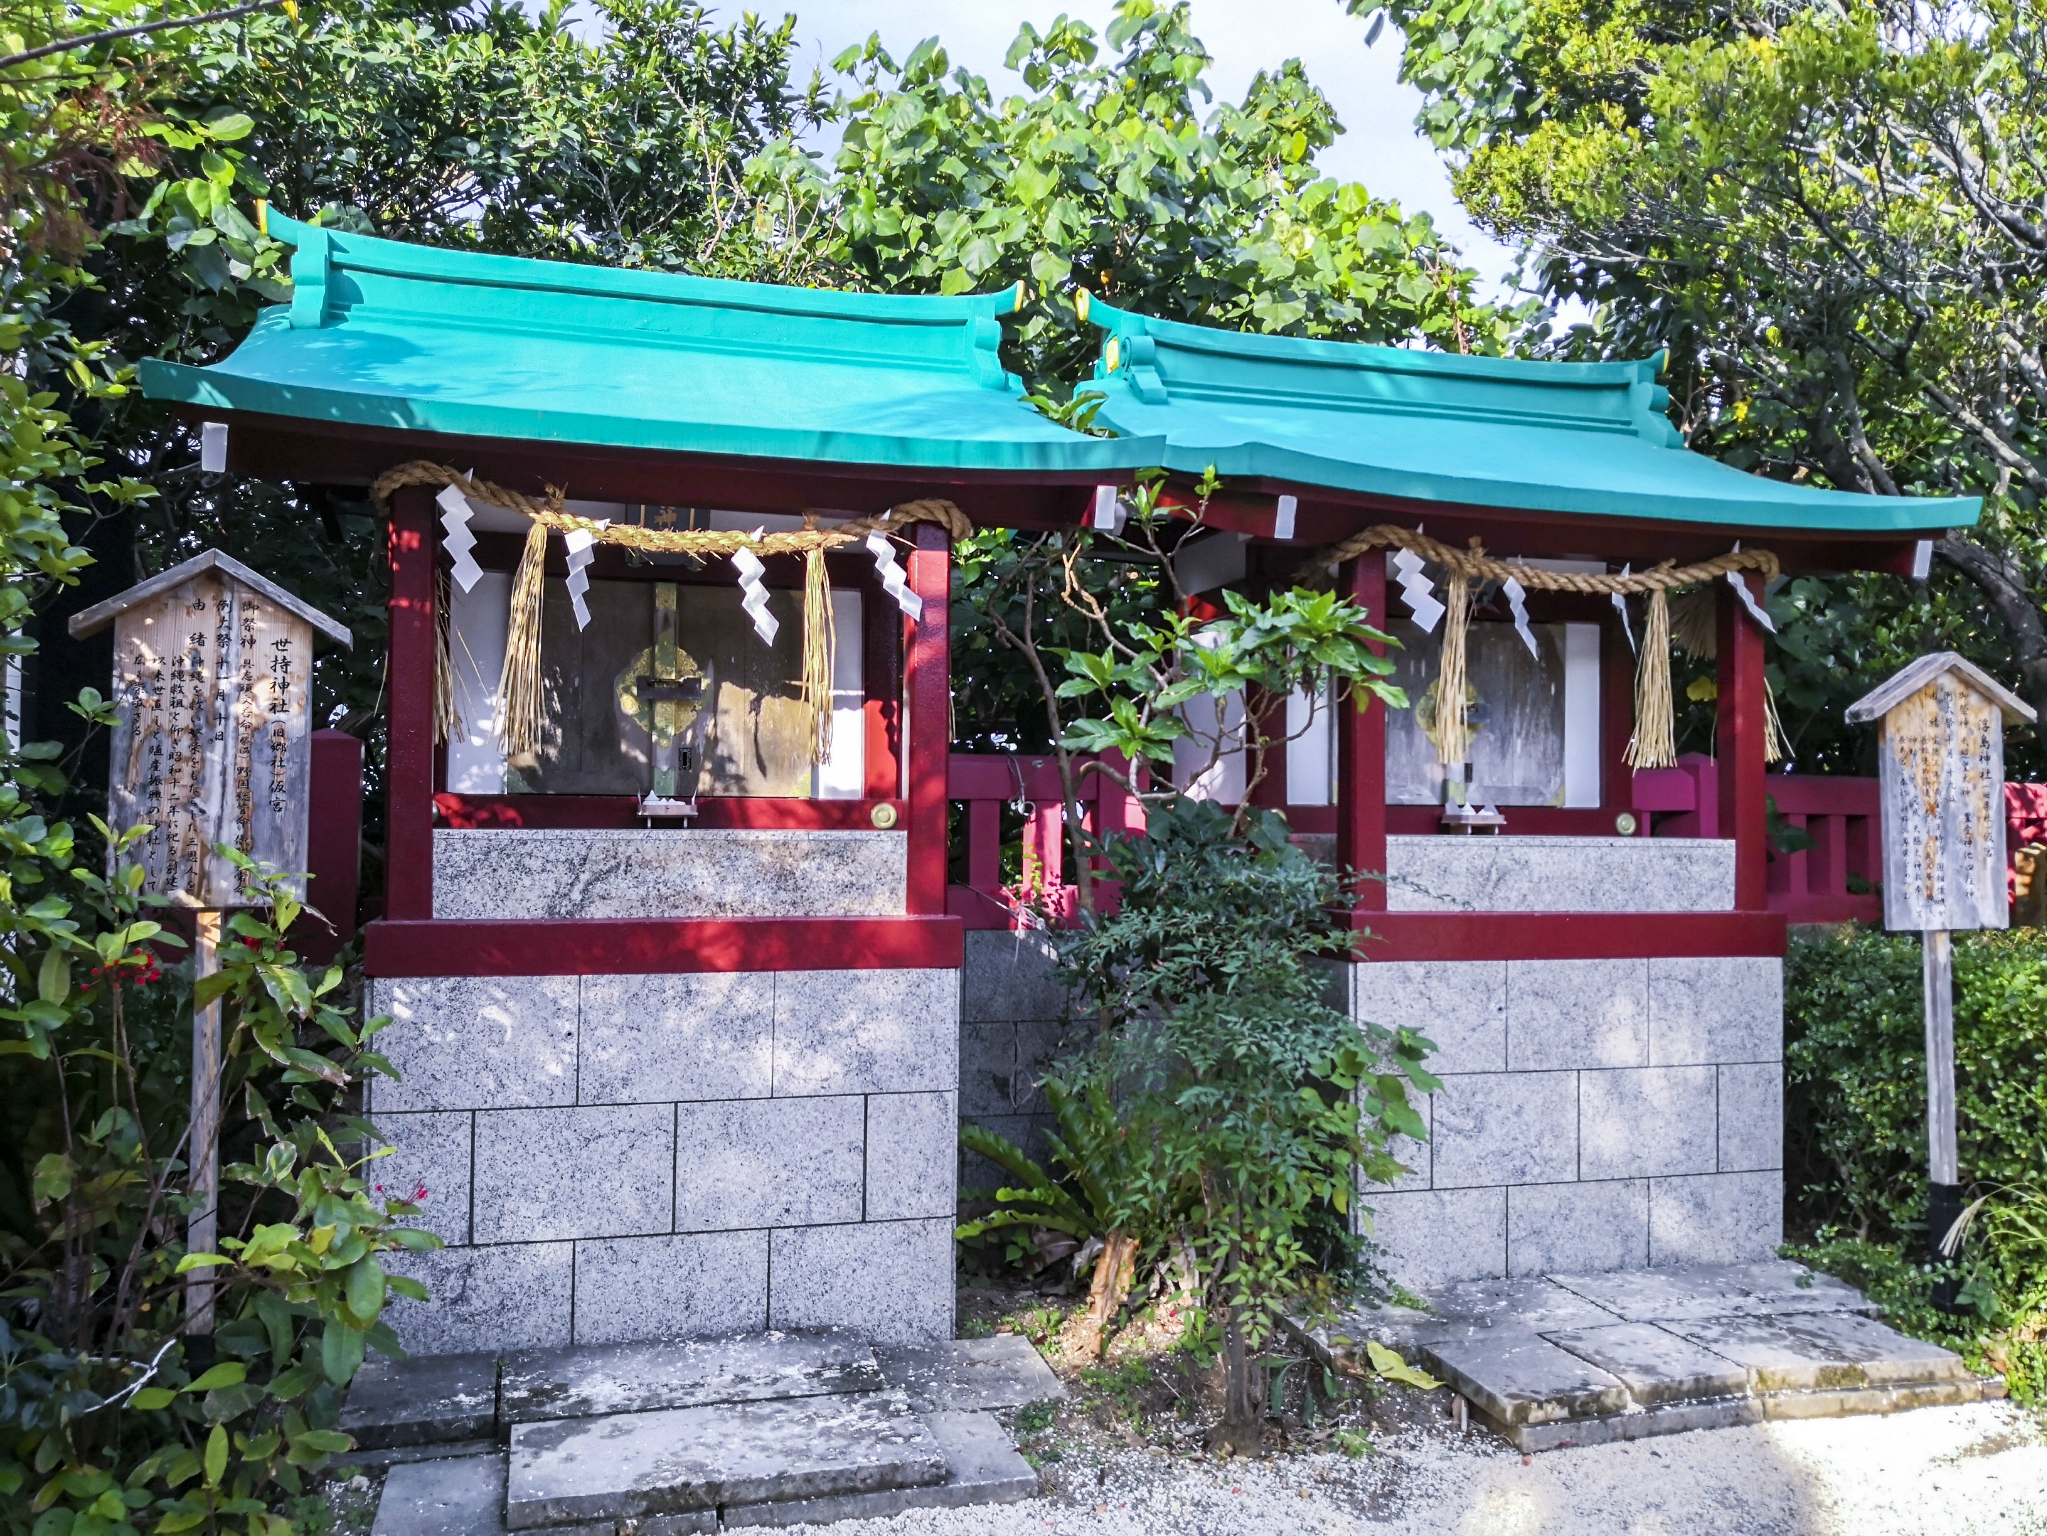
x: 986, y: 783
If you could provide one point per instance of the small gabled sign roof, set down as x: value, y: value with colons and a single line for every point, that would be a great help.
x: 1887, y: 696
x: 90, y: 621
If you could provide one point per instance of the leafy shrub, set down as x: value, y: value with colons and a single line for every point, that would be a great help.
x: 115, y: 1412
x: 1855, y: 1151
x: 1855, y: 1073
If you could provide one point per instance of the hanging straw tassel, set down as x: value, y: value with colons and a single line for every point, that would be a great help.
x: 447, y: 718
x: 1453, y: 723
x: 519, y: 703
x: 818, y: 647
x: 1653, y: 744
x: 1775, y: 747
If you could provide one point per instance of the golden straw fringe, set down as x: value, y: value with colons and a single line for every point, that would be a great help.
x: 1775, y: 747
x: 1652, y: 745
x: 819, y: 646
x: 1453, y: 724
x: 447, y: 718
x: 519, y: 702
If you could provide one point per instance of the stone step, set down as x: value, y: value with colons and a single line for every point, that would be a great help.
x: 1582, y: 1359
x: 982, y: 1467
x: 425, y: 1400
x: 594, y: 1380
x: 632, y: 1466
x: 970, y: 1374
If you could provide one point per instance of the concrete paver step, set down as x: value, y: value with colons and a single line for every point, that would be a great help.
x: 970, y: 1374
x: 426, y: 1400
x: 632, y: 1465
x: 1788, y: 1354
x: 594, y: 1380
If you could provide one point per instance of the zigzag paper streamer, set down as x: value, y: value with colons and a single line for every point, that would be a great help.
x: 1620, y: 606
x: 1417, y: 591
x: 891, y: 575
x: 582, y: 547
x: 1748, y: 601
x: 755, y: 602
x: 460, y: 540
x: 1517, y: 603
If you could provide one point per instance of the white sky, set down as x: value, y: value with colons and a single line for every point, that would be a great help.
x: 1380, y: 149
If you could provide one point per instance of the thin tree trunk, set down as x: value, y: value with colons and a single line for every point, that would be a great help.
x: 1243, y: 1422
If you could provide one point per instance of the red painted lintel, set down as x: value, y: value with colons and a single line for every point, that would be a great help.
x: 659, y: 946
x: 1569, y: 935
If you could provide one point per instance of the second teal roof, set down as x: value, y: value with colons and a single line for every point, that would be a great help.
x: 1487, y: 432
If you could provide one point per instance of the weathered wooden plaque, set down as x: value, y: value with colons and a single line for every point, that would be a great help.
x: 213, y: 686
x: 1940, y: 767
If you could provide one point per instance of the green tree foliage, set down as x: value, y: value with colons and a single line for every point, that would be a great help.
x: 1830, y: 215
x: 1112, y: 172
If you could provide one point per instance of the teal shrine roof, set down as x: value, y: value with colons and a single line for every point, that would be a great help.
x: 1486, y: 432
x: 380, y: 333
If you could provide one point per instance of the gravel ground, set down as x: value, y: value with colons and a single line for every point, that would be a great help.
x: 1942, y: 1471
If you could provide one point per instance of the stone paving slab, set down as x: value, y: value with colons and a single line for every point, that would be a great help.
x: 594, y: 1380
x: 421, y: 1401
x: 455, y: 1496
x: 982, y: 1468
x: 1655, y: 1365
x: 1770, y: 1288
x: 665, y: 1461
x: 1469, y: 1311
x: 1524, y: 1379
x: 970, y: 1374
x: 1822, y: 1351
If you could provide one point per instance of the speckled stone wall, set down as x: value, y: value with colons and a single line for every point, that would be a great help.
x: 612, y: 1158
x: 668, y: 872
x: 1594, y: 1115
x: 1559, y: 874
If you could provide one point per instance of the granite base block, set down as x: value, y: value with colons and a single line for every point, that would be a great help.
x: 768, y: 1162
x: 866, y: 1032
x: 591, y: 1171
x: 891, y: 1281
x: 511, y: 1297
x: 1435, y: 1236
x: 476, y: 1042
x: 692, y: 1285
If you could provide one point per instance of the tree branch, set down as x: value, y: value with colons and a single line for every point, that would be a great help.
x: 70, y: 44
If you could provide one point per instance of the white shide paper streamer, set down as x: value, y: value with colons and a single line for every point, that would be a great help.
x: 1748, y: 601
x: 212, y: 447
x: 1283, y: 519
x: 1417, y: 591
x: 459, y: 540
x: 755, y: 602
x: 1620, y: 606
x: 582, y: 547
x: 1517, y: 603
x: 891, y: 575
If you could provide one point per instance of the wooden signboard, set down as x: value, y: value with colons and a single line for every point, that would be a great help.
x: 1940, y: 765
x: 213, y: 673
x: 1940, y: 771
x: 213, y: 684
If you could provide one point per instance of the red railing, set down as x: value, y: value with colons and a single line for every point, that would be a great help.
x: 1833, y: 881
x: 987, y: 784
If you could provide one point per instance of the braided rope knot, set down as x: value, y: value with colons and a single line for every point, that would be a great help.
x: 1475, y: 564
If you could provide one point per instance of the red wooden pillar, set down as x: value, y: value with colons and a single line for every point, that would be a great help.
x: 928, y: 686
x: 1617, y: 723
x: 1740, y: 739
x: 881, y: 643
x: 409, y: 780
x: 333, y: 845
x: 1361, y: 754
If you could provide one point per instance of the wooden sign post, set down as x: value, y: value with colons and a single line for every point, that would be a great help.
x: 1940, y: 772
x: 213, y: 670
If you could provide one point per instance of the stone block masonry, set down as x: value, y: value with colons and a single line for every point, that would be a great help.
x: 612, y: 1158
x: 1594, y: 1115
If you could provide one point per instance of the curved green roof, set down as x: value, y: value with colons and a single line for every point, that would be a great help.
x: 1435, y: 427
x: 379, y: 333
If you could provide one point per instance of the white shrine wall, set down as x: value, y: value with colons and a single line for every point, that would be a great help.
x: 613, y: 1158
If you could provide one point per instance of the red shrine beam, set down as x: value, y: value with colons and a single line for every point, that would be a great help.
x: 656, y: 946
